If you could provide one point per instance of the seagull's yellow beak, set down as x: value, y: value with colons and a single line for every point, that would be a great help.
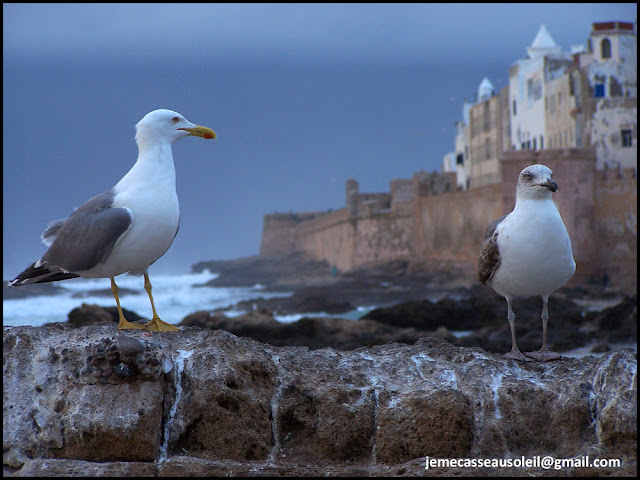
x: 199, y: 131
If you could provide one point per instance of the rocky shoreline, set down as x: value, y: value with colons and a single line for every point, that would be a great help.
x: 438, y: 299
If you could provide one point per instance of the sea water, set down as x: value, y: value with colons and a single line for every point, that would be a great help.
x: 175, y: 296
x: 350, y: 315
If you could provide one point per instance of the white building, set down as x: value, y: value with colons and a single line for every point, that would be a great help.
x: 527, y: 79
x: 458, y: 160
x: 485, y: 90
x: 449, y: 162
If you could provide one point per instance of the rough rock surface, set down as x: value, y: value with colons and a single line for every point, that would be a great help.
x: 312, y: 332
x: 569, y: 328
x: 93, y: 401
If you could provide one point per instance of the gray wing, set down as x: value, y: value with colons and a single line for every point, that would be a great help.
x: 493, y: 225
x: 87, y: 237
x: 489, y: 259
x: 51, y: 232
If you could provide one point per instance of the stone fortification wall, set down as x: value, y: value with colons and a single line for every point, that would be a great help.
x: 426, y: 218
x: 279, y: 232
x: 330, y: 237
x: 402, y: 192
x: 616, y: 227
x: 347, y: 242
x: 452, y: 226
x: 382, y: 238
x: 373, y: 228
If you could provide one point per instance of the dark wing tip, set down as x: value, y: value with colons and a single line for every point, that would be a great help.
x: 41, y: 274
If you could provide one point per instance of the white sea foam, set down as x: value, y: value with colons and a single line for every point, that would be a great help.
x: 350, y: 315
x: 175, y: 297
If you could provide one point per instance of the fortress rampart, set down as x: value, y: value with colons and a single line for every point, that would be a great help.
x: 426, y: 218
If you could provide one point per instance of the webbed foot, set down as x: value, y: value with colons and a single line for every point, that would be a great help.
x: 517, y: 355
x: 544, y: 355
x: 127, y: 325
x: 157, y: 325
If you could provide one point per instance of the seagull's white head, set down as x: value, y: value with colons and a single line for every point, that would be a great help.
x: 536, y: 181
x: 167, y: 126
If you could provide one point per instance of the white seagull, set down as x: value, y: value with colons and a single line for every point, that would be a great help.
x: 126, y: 228
x: 528, y: 252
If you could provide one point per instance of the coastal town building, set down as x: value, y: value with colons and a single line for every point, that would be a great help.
x: 486, y: 138
x: 579, y: 99
x: 461, y: 153
x: 608, y: 96
x: 529, y: 80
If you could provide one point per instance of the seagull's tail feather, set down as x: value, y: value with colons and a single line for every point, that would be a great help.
x: 43, y: 273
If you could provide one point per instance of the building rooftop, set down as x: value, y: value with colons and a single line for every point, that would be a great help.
x: 485, y: 90
x: 607, y: 27
x: 543, y: 44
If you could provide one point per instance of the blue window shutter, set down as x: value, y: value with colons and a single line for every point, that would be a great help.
x: 599, y: 90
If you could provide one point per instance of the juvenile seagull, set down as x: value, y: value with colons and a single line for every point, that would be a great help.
x: 126, y: 228
x: 528, y: 252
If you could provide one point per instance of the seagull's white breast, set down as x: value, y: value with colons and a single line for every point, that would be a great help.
x: 535, y: 251
x: 156, y: 216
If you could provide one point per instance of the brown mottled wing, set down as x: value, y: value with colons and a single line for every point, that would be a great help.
x: 489, y: 259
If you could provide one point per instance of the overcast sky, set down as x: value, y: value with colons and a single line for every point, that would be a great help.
x: 431, y: 33
x: 302, y: 98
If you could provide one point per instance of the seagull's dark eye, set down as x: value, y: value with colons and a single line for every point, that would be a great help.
x: 175, y: 119
x: 527, y: 176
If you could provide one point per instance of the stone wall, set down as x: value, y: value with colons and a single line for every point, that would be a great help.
x: 383, y: 238
x: 279, y: 232
x: 434, y: 221
x: 345, y: 242
x: 616, y: 227
x: 452, y: 226
x: 330, y: 237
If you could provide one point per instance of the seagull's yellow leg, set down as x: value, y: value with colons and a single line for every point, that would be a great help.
x: 156, y: 325
x: 124, y: 324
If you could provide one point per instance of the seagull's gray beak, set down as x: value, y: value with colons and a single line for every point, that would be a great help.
x: 550, y: 184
